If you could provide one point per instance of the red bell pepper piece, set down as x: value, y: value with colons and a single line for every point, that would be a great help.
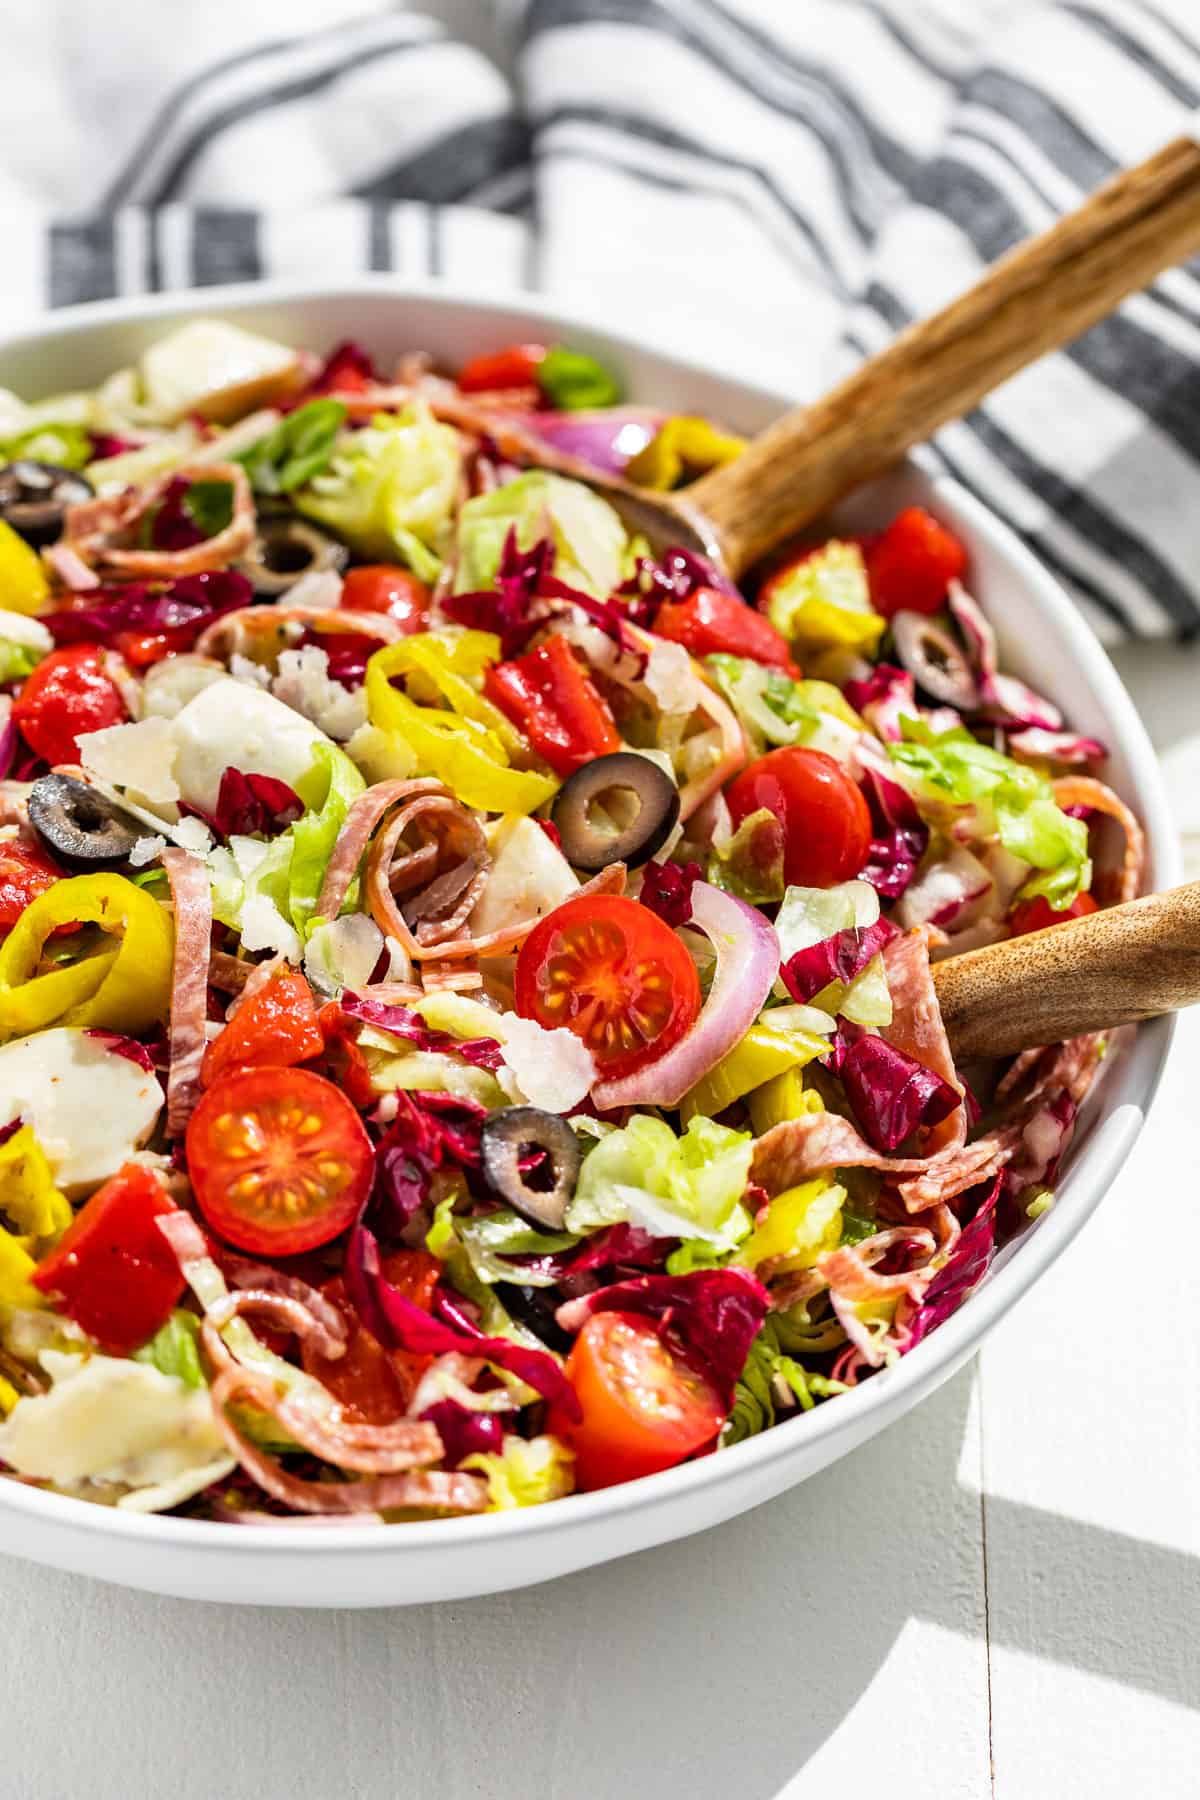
x: 515, y: 367
x: 549, y: 696
x: 112, y: 1270
x: 913, y: 563
x: 709, y: 622
x: 274, y: 1028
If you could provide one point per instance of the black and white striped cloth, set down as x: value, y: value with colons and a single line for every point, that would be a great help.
x: 775, y: 184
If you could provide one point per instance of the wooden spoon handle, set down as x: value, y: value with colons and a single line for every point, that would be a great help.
x: 1036, y: 298
x: 1109, y: 968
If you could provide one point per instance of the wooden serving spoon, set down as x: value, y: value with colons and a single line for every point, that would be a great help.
x: 1115, y: 967
x: 1038, y: 297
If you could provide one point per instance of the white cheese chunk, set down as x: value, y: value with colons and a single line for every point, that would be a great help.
x: 217, y: 370
x: 139, y: 756
x: 529, y: 877
x: 552, y: 1069
x: 88, y: 1107
x: 232, y: 726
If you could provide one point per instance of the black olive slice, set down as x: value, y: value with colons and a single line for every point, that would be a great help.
x: 79, y: 824
x: 542, y: 1193
x: 620, y: 808
x: 935, y: 660
x: 34, y: 497
x: 286, y: 549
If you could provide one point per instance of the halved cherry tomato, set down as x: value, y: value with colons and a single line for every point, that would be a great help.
x: 142, y: 649
x: 275, y: 1027
x: 709, y: 622
x: 913, y: 563
x: 113, y: 1270
x: 375, y: 1385
x: 612, y: 972
x: 644, y: 1408
x: 386, y: 588
x: 279, y: 1160
x: 826, y: 822
x: 344, y: 1060
x: 25, y: 872
x: 68, y: 693
x: 512, y: 368
x: 1036, y: 915
x: 549, y: 695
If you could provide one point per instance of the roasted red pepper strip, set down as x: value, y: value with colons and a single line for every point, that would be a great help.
x: 709, y: 622
x: 276, y: 1027
x: 913, y: 563
x: 113, y: 1270
x: 548, y: 694
x: 344, y: 1062
x: 516, y: 367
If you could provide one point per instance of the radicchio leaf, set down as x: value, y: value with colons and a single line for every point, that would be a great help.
x: 403, y: 1022
x: 891, y: 1092
x: 178, y: 610
x: 711, y: 1316
x: 347, y: 368
x: 464, y: 1430
x: 667, y: 890
x: 127, y: 1047
x: 428, y: 1131
x: 837, y: 958
x: 248, y: 804
x: 899, y: 837
x: 969, y: 1262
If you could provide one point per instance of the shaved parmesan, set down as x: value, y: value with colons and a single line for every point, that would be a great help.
x: 343, y: 954
x: 216, y: 370
x: 670, y: 677
x: 145, y: 851
x: 265, y: 928
x: 529, y: 877
x: 552, y: 1068
x: 139, y: 756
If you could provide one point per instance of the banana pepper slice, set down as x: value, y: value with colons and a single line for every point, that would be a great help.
x: 468, y: 744
x: 763, y: 1055
x: 124, y: 989
x: 28, y: 1195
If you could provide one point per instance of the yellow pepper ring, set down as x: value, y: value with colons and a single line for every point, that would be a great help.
x: 126, y: 989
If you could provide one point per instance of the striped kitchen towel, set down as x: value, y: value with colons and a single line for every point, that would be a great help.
x: 777, y: 185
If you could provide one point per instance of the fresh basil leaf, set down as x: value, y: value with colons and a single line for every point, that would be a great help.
x: 299, y: 447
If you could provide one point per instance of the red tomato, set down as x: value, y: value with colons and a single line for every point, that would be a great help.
x: 277, y: 1026
x: 25, y: 872
x: 1035, y: 915
x: 68, y: 693
x: 345, y: 1061
x: 375, y: 1385
x: 113, y: 1270
x: 826, y: 822
x: 385, y: 588
x: 279, y: 1160
x: 709, y: 622
x: 612, y: 972
x: 548, y: 694
x: 913, y: 563
x: 141, y: 649
x: 644, y: 1408
x: 512, y: 368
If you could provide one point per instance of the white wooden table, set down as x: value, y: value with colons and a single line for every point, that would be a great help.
x: 1000, y: 1596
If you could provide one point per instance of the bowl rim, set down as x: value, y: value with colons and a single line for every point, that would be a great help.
x: 887, y: 1391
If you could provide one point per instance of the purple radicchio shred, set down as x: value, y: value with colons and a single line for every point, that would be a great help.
x: 347, y: 653
x: 400, y: 1324
x: 526, y: 594
x: 348, y: 365
x: 464, y: 1430
x: 615, y: 1250
x: 899, y: 836
x: 891, y: 1092
x: 710, y: 1317
x: 969, y: 1262
x: 249, y: 804
x: 429, y: 1131
x: 878, y: 685
x: 179, y: 609
x: 11, y: 1129
x: 403, y: 1022
x: 667, y: 890
x: 837, y: 958
x: 172, y: 526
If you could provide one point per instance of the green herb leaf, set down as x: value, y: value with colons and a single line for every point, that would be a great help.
x: 299, y: 447
x: 574, y: 382
x: 209, y: 505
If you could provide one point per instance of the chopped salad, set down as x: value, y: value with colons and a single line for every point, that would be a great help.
x: 467, y: 1031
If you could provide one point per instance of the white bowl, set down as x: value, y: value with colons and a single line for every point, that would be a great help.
x: 1042, y: 637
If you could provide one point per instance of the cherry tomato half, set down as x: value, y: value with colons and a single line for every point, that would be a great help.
x: 515, y: 367
x: 279, y: 1160
x: 644, y: 1408
x: 374, y: 1385
x: 277, y: 1026
x: 1036, y: 915
x: 67, y: 694
x: 913, y: 563
x: 708, y: 622
x: 113, y: 1270
x: 826, y: 822
x: 386, y: 588
x: 612, y: 972
x: 25, y: 872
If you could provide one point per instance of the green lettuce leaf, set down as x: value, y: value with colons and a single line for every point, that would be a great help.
x: 174, y: 1349
x: 314, y: 836
x: 949, y: 771
x: 391, y: 489
x: 491, y: 1239
x: 589, y: 538
x: 16, y: 660
x: 526, y: 1472
x: 689, y: 1187
x: 774, y: 709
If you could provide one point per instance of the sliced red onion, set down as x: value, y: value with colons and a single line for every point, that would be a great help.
x: 607, y: 439
x: 1005, y: 699
x: 1045, y: 746
x: 935, y: 660
x: 8, y: 736
x: 747, y: 964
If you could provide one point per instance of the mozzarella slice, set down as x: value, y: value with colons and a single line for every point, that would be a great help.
x: 530, y: 876
x: 89, y: 1108
x: 229, y: 725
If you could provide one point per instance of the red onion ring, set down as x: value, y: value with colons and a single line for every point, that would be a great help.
x: 747, y: 964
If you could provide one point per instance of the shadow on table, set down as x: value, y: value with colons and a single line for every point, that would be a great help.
x: 716, y: 1667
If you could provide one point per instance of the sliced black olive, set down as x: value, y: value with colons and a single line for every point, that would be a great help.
x: 286, y: 549
x: 34, y: 497
x: 934, y: 660
x: 541, y: 1193
x: 620, y: 808
x: 79, y: 824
